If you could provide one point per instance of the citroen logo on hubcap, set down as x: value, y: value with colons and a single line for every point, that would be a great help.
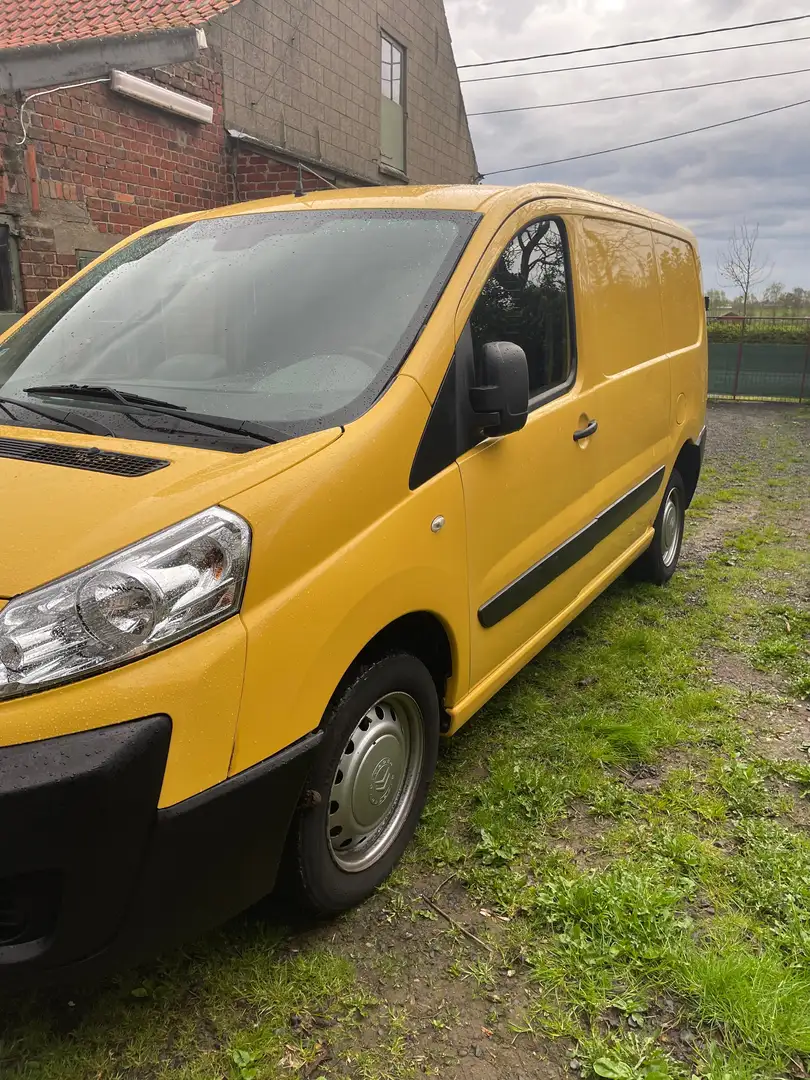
x: 382, y: 782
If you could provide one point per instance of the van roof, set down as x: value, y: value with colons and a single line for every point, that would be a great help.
x: 478, y: 197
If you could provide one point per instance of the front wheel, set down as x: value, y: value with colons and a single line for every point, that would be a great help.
x: 366, y: 791
x: 660, y: 560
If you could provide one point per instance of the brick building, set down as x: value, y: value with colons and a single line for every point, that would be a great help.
x: 189, y: 104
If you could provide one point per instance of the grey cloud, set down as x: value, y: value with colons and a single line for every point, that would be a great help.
x: 709, y: 181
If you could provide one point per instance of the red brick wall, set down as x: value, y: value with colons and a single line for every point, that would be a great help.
x: 259, y: 177
x: 43, y: 269
x: 106, y: 166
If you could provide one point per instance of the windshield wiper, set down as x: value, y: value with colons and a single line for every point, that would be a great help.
x: 249, y: 429
x: 62, y: 416
x: 100, y: 393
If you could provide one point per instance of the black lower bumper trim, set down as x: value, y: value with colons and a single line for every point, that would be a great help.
x: 216, y: 854
x: 76, y: 814
x: 93, y: 876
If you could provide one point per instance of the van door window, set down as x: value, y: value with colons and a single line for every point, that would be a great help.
x: 527, y: 301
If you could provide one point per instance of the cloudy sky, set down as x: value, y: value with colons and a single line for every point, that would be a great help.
x: 757, y: 170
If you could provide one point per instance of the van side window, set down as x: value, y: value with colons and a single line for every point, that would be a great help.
x: 622, y: 303
x: 680, y: 283
x: 525, y: 301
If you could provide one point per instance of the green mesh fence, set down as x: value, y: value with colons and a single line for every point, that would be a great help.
x: 760, y: 371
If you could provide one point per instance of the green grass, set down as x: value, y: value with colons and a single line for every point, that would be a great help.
x: 760, y: 1005
x: 643, y: 865
x: 707, y: 895
x: 225, y: 1010
x: 783, y: 645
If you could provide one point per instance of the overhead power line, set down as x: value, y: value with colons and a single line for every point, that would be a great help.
x: 640, y: 41
x: 638, y: 93
x: 635, y: 60
x: 646, y: 142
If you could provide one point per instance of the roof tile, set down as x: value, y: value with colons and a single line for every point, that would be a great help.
x: 41, y: 22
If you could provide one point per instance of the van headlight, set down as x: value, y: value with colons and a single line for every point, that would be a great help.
x: 150, y: 595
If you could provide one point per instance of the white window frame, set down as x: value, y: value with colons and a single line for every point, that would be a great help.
x: 393, y: 95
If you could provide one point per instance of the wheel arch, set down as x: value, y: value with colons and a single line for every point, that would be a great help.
x: 423, y: 635
x: 688, y: 464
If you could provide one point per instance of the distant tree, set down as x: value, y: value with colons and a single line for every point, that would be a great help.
x: 741, y: 264
x: 797, y: 300
x: 774, y: 295
x: 717, y: 299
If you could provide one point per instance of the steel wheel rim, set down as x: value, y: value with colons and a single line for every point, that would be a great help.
x: 671, y: 528
x: 376, y: 782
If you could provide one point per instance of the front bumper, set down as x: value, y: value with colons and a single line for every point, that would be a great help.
x: 94, y: 876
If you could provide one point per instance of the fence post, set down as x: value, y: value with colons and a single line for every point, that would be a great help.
x: 804, y: 372
x: 739, y: 365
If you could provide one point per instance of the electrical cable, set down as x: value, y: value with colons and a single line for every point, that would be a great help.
x: 635, y: 60
x: 645, y: 142
x: 640, y: 41
x: 638, y: 93
x: 44, y: 93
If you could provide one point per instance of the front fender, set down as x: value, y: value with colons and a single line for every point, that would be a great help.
x: 341, y: 548
x: 301, y: 643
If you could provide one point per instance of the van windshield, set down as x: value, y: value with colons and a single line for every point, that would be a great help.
x: 293, y: 318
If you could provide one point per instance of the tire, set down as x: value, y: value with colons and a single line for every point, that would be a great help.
x: 660, y: 561
x: 370, y: 782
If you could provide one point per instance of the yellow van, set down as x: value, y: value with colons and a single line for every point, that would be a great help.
x: 289, y: 489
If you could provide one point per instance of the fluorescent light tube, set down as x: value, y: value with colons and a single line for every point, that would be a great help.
x: 161, y: 97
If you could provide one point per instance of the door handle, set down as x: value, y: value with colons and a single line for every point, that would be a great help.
x: 586, y: 432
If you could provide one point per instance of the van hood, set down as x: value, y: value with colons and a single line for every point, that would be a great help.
x: 56, y: 519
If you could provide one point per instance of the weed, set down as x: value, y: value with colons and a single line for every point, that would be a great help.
x: 743, y: 783
x: 627, y: 1057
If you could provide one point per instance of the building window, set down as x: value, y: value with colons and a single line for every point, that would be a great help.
x: 392, y: 105
x: 10, y: 291
x: 84, y: 258
x: 393, y: 64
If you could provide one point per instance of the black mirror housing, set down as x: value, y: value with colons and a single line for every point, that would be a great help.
x: 502, y: 402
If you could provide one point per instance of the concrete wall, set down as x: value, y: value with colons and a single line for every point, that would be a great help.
x: 305, y: 75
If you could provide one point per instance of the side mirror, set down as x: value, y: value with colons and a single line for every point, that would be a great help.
x: 502, y: 402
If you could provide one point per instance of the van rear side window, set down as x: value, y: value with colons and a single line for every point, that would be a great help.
x: 623, y: 294
x: 680, y: 292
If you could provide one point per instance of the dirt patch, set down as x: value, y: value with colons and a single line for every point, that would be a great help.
x: 740, y: 433
x: 732, y: 669
x: 460, y: 1003
x: 706, y: 536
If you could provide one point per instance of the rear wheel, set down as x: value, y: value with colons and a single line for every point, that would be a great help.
x: 366, y: 791
x: 660, y: 560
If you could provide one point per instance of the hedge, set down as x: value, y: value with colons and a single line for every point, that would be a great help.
x: 760, y: 333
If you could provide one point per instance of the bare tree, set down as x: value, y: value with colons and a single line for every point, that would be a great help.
x: 741, y: 264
